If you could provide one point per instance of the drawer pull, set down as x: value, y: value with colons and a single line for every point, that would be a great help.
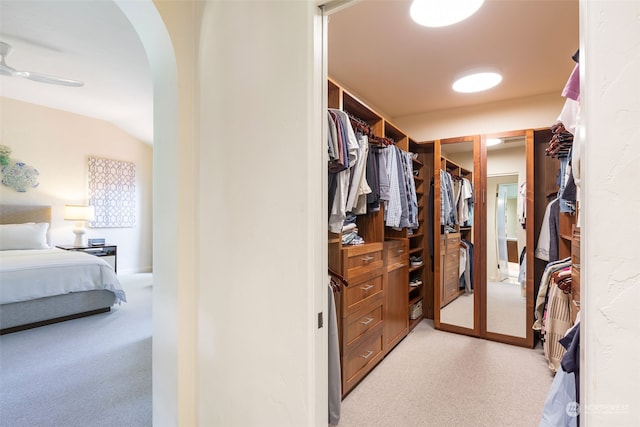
x: 400, y: 251
x: 367, y: 259
x: 367, y: 355
x: 367, y: 321
x: 366, y: 288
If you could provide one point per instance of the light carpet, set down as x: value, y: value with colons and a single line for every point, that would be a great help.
x: 96, y: 371
x: 435, y: 378
x: 93, y: 371
x: 506, y: 310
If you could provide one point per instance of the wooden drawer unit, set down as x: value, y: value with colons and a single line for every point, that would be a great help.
x: 452, y: 241
x: 575, y: 246
x: 396, y: 252
x: 361, y: 321
x: 362, y: 311
x: 359, y: 260
x: 360, y: 357
x: 575, y: 272
x: 451, y: 284
x: 359, y: 294
x: 450, y: 274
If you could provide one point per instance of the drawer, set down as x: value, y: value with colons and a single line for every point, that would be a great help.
x: 396, y: 251
x: 360, y: 259
x: 362, y: 321
x: 575, y: 293
x: 575, y: 284
x: 357, y: 362
x: 452, y: 270
x: 452, y: 262
x: 451, y: 289
x: 452, y: 240
x: 361, y: 293
x: 575, y: 246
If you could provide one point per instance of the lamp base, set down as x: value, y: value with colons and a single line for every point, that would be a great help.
x: 79, y: 241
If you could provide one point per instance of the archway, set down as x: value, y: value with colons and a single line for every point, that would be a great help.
x: 146, y: 20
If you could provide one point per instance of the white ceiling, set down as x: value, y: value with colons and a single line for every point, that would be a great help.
x: 378, y: 53
x: 375, y: 51
x: 91, y: 41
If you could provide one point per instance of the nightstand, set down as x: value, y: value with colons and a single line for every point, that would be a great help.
x: 108, y: 253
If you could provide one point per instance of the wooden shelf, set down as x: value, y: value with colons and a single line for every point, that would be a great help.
x: 380, y: 266
x: 415, y: 268
x: 415, y: 299
x: 411, y: 236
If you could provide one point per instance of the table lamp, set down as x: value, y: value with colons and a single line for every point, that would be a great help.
x: 80, y: 214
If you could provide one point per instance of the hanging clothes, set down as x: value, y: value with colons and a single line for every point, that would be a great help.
x: 465, y: 203
x: 335, y: 379
x: 466, y: 266
x: 412, y: 198
x: 523, y: 203
x: 556, y: 324
x: 448, y: 211
x: 373, y: 178
x: 357, y: 200
x: 548, y: 239
x: 346, y: 149
x: 543, y: 290
x: 393, y: 205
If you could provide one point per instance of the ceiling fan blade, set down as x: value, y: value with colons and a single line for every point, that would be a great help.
x: 43, y: 78
x: 5, y: 70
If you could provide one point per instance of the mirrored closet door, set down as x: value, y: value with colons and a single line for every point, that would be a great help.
x: 481, y: 285
x: 505, y: 291
x: 456, y: 301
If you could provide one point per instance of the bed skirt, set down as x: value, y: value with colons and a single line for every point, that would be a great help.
x: 43, y: 311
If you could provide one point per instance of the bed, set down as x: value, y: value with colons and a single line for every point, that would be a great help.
x: 40, y: 284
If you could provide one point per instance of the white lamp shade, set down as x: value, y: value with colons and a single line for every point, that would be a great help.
x: 79, y: 213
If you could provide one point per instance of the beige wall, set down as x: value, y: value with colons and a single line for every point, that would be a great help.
x: 263, y: 273
x: 528, y: 113
x: 57, y: 144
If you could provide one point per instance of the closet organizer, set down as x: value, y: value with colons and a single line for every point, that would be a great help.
x: 557, y: 318
x: 376, y: 232
x: 535, y: 176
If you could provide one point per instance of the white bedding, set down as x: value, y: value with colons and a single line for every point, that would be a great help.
x: 37, y: 273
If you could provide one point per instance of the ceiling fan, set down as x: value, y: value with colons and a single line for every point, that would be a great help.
x: 5, y: 70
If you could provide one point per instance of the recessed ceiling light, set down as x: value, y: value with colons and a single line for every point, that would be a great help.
x: 440, y: 13
x: 477, y: 81
x: 493, y: 141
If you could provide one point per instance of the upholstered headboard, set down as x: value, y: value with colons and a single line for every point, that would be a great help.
x: 18, y: 214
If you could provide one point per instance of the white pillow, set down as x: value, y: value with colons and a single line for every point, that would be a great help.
x: 23, y: 236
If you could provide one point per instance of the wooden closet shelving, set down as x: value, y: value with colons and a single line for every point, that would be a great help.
x: 416, y: 248
x: 450, y: 240
x: 374, y: 308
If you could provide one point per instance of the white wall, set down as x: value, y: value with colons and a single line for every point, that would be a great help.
x: 262, y: 244
x: 610, y: 255
x: 57, y: 144
x: 510, y: 161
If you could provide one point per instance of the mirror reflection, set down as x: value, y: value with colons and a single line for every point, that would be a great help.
x: 506, y: 238
x: 456, y: 236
